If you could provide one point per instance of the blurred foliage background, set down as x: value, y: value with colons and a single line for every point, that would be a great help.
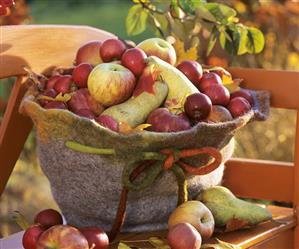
x: 28, y: 190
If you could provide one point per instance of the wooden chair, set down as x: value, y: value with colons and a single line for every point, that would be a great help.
x: 38, y: 47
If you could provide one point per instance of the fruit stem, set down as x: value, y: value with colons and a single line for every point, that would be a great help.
x: 88, y: 149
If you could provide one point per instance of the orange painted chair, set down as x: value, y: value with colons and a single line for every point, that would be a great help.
x: 38, y: 47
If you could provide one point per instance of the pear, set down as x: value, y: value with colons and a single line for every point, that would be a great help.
x: 179, y: 86
x: 231, y: 212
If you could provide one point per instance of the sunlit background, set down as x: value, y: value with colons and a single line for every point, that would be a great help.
x: 28, y: 190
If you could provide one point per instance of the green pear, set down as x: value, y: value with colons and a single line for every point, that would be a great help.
x: 179, y: 86
x: 226, y: 208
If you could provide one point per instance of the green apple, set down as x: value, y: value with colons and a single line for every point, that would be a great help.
x: 160, y: 48
x: 111, y: 83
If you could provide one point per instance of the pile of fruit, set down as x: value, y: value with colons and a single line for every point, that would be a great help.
x: 125, y: 87
x: 48, y: 231
x: 188, y: 225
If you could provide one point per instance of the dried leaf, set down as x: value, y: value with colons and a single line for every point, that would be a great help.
x: 220, y: 245
x: 125, y: 128
x: 20, y: 220
x: 60, y: 97
x: 182, y: 54
x: 122, y: 245
x: 158, y: 243
x: 235, y: 224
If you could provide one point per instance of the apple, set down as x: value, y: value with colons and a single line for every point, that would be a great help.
x: 220, y: 71
x: 89, y: 53
x: 184, y: 236
x: 62, y: 237
x: 31, y: 236
x: 52, y: 80
x: 48, y: 218
x: 81, y: 73
x: 87, y: 113
x: 209, y: 78
x: 218, y: 94
x: 195, y: 213
x: 108, y: 122
x: 243, y: 93
x: 96, y: 237
x: 112, y: 49
x: 219, y: 114
x: 198, y: 106
x: 63, y: 84
x: 55, y: 105
x: 160, y: 48
x: 192, y: 69
x: 238, y: 106
x: 162, y: 120
x: 134, y: 59
x: 110, y: 83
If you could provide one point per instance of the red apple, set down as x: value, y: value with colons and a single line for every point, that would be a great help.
x: 107, y: 122
x: 63, y: 84
x: 31, y: 236
x: 62, y: 237
x: 184, y: 236
x: 209, y: 78
x: 161, y: 120
x: 219, y: 114
x: 55, y: 105
x: 112, y: 49
x: 243, y: 93
x: 51, y: 81
x: 238, y: 106
x: 133, y: 59
x: 160, y: 48
x: 198, y: 106
x: 192, y: 69
x: 96, y: 237
x: 89, y: 53
x: 218, y: 94
x: 48, y: 218
x: 81, y: 73
x: 195, y: 213
x: 81, y: 99
x: 87, y: 113
x: 110, y: 83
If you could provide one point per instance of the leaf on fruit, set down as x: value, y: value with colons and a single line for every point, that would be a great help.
x: 20, y: 220
x: 220, y: 245
x: 125, y: 128
x: 234, y: 85
x: 235, y: 224
x: 158, y: 242
x: 122, y: 245
x: 182, y: 53
x: 136, y: 20
x: 60, y: 97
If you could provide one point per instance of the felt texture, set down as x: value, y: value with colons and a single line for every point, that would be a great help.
x: 87, y: 187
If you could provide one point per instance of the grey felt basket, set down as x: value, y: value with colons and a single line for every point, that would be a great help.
x: 87, y: 187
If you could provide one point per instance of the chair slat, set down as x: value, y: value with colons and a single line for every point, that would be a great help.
x: 260, y: 179
x: 42, y: 46
x: 283, y: 85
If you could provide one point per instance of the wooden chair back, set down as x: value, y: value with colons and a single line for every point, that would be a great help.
x: 38, y: 47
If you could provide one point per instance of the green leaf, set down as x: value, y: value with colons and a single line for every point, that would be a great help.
x: 136, y: 20
x: 256, y: 40
x: 221, y: 12
x: 161, y: 20
x: 204, y: 13
x: 212, y: 40
x: 243, y: 41
x: 222, y: 38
